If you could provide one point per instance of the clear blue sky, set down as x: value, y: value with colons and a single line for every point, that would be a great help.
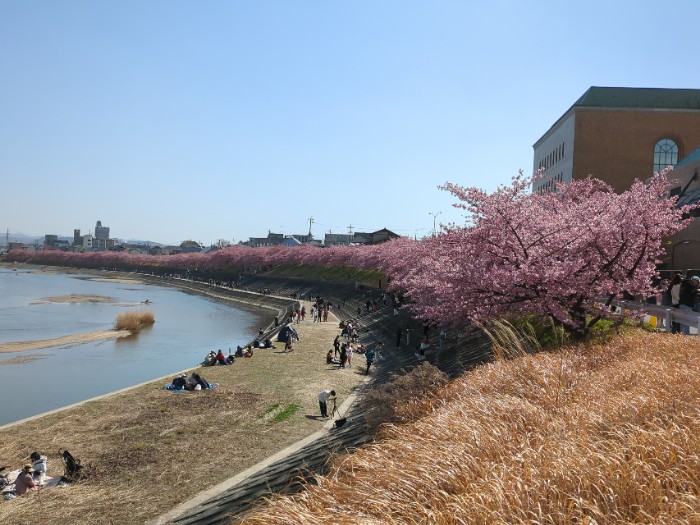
x: 172, y: 120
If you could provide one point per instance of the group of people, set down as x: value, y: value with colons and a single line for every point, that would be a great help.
x: 193, y: 382
x: 342, y: 353
x: 29, y: 479
x: 350, y: 329
x: 244, y: 352
x: 218, y: 358
x: 684, y: 294
x: 319, y: 312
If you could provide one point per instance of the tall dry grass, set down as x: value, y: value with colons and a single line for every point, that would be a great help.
x: 604, y: 433
x: 134, y: 320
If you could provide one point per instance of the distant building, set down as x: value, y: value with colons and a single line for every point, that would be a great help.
x: 77, y: 238
x: 21, y: 246
x: 377, y: 237
x: 291, y: 242
x: 93, y: 242
x: 618, y: 135
x: 277, y: 239
x: 331, y: 239
x: 50, y: 240
x: 88, y: 241
x: 101, y: 232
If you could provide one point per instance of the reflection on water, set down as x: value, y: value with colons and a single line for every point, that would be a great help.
x: 186, y: 328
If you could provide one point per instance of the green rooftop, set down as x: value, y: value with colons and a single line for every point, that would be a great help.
x: 652, y: 98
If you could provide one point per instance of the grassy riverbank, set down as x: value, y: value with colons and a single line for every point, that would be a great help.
x: 148, y: 449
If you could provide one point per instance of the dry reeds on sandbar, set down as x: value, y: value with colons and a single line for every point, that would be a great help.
x: 134, y: 320
x: 599, y: 434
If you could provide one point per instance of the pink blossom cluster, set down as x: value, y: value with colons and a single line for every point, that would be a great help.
x: 555, y: 254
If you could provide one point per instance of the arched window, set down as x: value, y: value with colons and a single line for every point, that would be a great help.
x: 665, y: 154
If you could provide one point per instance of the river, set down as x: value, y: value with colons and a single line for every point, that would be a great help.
x: 187, y: 327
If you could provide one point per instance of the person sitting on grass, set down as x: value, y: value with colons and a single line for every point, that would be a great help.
x: 180, y: 382
x: 248, y: 352
x: 330, y: 360
x: 239, y: 351
x: 25, y: 481
x: 220, y: 357
x: 203, y: 384
x: 39, y: 462
x: 268, y: 343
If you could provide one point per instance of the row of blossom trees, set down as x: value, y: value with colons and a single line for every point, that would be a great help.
x: 522, y: 253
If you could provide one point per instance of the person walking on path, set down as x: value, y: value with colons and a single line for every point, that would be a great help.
x: 343, y: 355
x: 336, y: 346
x: 323, y: 398
x: 369, y: 356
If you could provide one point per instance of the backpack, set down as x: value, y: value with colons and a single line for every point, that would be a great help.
x: 71, y: 466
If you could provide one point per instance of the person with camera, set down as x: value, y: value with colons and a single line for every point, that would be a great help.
x: 323, y: 397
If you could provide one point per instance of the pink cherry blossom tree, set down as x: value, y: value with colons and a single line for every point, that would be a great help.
x: 559, y: 254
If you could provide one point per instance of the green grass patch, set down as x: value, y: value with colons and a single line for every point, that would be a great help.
x: 278, y: 413
x: 339, y: 274
x: 272, y: 410
x: 288, y: 412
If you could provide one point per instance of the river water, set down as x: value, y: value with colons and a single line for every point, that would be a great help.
x: 187, y: 327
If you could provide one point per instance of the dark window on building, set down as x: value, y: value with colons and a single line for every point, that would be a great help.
x: 665, y: 154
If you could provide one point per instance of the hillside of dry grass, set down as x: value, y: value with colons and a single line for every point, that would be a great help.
x: 603, y: 433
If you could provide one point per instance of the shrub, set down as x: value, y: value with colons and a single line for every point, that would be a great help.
x: 404, y: 398
x: 134, y: 320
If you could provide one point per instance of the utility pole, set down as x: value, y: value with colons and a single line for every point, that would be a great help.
x: 434, y: 217
x: 311, y: 220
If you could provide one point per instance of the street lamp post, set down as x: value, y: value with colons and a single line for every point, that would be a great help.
x: 434, y: 217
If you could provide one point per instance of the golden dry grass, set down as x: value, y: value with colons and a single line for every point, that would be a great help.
x: 606, y: 433
x: 134, y: 320
x: 149, y: 449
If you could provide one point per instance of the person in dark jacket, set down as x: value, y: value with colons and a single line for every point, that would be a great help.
x: 687, y: 296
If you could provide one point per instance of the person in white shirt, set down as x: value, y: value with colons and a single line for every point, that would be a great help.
x: 323, y: 398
